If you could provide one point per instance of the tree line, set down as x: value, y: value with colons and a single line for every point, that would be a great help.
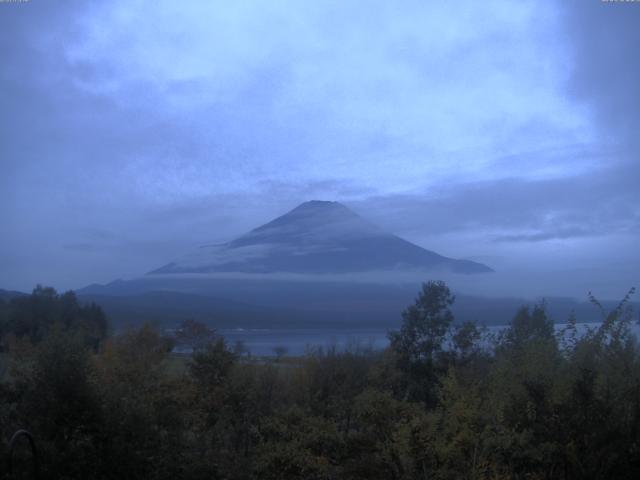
x: 443, y: 401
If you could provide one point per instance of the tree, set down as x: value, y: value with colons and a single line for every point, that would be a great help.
x: 280, y: 351
x: 195, y: 335
x: 58, y: 403
x: 530, y: 326
x: 211, y: 366
x: 425, y: 324
x: 34, y: 316
x: 143, y: 408
x: 465, y: 340
x: 419, y: 343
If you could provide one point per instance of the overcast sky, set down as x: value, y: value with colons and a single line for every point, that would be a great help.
x: 504, y: 132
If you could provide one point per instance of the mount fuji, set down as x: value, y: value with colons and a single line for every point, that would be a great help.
x: 318, y: 245
x: 317, y: 237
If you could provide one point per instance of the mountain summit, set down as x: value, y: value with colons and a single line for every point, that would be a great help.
x: 317, y: 237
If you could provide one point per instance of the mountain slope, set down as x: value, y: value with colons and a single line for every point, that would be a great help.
x: 317, y: 238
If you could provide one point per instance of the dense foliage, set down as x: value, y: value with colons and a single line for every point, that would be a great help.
x: 443, y: 401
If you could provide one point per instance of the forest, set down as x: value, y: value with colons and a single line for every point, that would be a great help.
x: 443, y: 401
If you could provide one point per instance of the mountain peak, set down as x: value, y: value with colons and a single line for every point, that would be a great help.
x: 319, y: 205
x: 315, y: 213
x: 314, y: 222
x: 323, y: 208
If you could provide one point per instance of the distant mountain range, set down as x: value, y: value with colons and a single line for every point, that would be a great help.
x: 317, y: 238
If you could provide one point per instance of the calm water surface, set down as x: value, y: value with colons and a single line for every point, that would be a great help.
x: 263, y: 342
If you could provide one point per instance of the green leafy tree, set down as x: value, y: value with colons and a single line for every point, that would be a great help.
x: 466, y: 340
x: 418, y: 345
x: 529, y: 326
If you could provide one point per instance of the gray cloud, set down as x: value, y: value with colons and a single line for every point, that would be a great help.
x: 604, y: 202
x: 556, y: 234
x: 605, y: 68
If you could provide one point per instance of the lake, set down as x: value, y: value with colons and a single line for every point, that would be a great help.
x: 263, y: 342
